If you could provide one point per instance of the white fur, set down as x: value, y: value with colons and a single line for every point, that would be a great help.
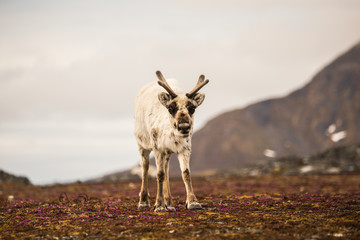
x: 155, y: 130
x: 151, y: 114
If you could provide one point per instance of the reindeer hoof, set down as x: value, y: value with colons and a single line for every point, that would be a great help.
x: 171, y: 209
x: 194, y: 206
x: 160, y: 209
x: 143, y: 206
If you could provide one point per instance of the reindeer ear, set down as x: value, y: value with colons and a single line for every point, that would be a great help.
x: 164, y: 98
x: 199, y: 98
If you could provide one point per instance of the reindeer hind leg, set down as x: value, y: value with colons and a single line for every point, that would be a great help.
x: 167, y: 194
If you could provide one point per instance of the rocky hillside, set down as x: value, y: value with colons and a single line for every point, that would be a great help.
x: 7, y: 178
x: 322, y: 114
x: 336, y: 160
x: 132, y: 174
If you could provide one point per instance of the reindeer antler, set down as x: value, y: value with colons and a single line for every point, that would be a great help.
x: 165, y: 85
x: 201, y: 82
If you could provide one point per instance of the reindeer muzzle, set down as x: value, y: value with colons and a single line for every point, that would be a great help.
x: 184, y: 127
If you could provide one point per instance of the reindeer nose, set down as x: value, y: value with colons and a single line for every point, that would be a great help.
x: 184, y: 127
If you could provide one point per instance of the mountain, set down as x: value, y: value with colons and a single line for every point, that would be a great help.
x: 132, y: 174
x: 323, y: 114
x: 7, y: 178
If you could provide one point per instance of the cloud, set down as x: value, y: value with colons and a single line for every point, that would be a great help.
x: 108, y: 143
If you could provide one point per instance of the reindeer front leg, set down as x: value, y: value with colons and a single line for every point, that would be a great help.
x: 144, y: 201
x: 160, y: 164
x: 191, y: 201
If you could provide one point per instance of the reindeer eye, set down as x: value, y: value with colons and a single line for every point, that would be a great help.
x: 191, y: 108
x: 172, y: 108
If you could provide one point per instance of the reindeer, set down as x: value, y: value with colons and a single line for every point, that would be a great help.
x: 164, y: 125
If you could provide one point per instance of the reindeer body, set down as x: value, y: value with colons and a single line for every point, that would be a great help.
x: 164, y: 125
x: 152, y: 127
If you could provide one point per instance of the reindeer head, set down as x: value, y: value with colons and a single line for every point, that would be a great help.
x: 181, y: 107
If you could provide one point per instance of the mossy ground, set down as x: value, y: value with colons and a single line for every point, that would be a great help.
x: 267, y: 207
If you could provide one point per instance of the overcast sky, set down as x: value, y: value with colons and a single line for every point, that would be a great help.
x: 70, y: 70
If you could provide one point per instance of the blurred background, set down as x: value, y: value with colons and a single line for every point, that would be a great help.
x: 70, y: 70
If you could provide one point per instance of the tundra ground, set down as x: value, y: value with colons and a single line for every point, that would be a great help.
x: 267, y: 207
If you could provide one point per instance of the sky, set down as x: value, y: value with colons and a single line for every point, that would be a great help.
x: 70, y: 70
